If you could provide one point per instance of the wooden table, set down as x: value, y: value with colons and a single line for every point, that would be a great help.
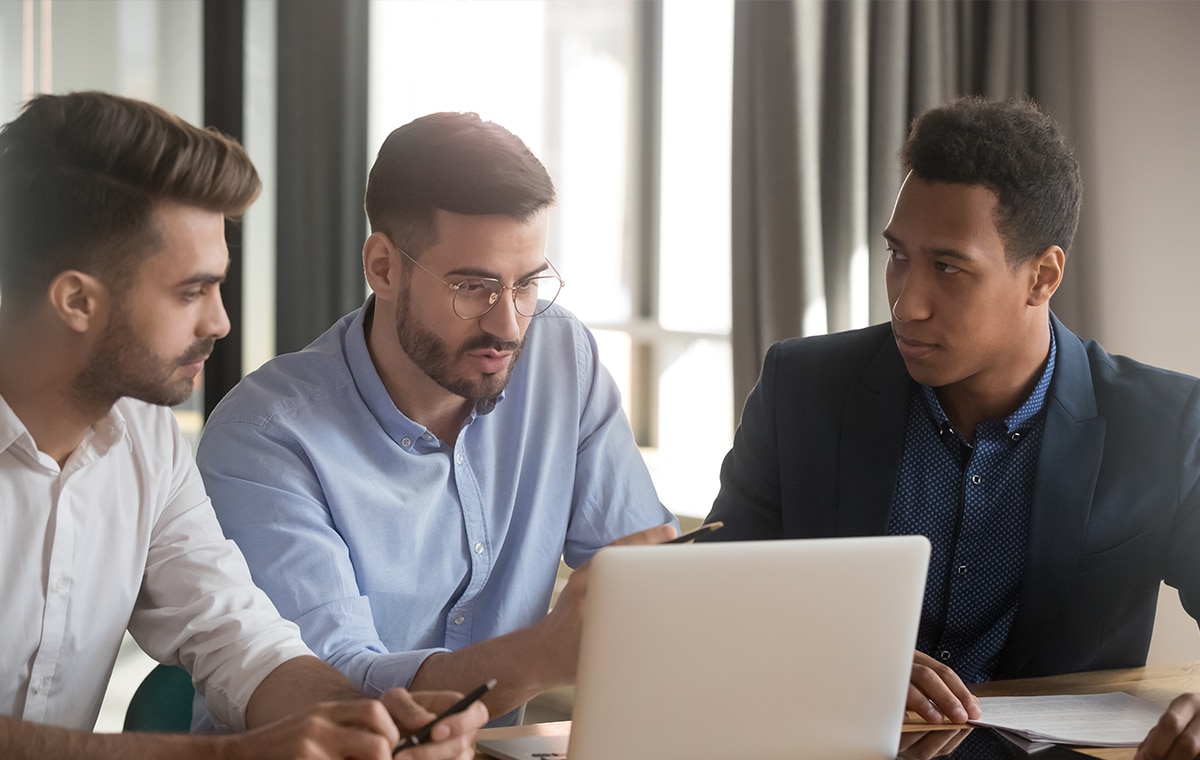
x: 1156, y: 683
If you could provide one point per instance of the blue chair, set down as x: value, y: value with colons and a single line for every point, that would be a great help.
x: 162, y: 702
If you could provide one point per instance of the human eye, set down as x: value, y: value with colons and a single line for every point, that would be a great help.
x: 895, y: 255
x: 475, y: 287
x: 192, y: 294
x: 946, y: 268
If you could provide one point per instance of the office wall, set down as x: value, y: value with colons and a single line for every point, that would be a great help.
x: 1138, y: 136
x: 1139, y: 147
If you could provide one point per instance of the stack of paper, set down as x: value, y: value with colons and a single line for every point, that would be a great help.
x: 1115, y: 719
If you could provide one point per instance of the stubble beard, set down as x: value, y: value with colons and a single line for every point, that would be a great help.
x: 434, y: 357
x: 122, y: 365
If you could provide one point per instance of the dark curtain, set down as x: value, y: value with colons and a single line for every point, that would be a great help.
x: 224, y: 93
x: 322, y: 165
x: 824, y: 91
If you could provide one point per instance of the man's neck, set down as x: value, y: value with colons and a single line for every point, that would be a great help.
x: 442, y: 413
x: 969, y: 403
x: 413, y: 392
x: 35, y: 381
x: 966, y: 411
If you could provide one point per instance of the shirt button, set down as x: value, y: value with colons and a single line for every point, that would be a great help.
x: 459, y: 620
x: 1015, y: 437
x: 976, y: 479
x: 962, y: 569
x: 944, y: 655
x: 406, y: 442
x: 427, y: 436
x: 459, y: 458
x: 479, y: 548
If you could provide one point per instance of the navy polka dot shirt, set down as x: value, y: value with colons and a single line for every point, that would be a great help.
x: 973, y: 503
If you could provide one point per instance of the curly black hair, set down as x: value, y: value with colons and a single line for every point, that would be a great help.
x: 1015, y: 150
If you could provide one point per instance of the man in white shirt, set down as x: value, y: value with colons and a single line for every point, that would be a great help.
x: 112, y: 252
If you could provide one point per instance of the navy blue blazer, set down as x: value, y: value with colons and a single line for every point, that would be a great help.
x: 1116, y: 501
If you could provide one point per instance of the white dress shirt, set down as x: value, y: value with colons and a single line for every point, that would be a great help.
x: 122, y: 536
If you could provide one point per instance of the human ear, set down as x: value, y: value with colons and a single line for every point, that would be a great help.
x: 382, y: 275
x: 1047, y: 274
x: 80, y: 300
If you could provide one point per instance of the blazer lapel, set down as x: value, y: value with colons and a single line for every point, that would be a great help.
x: 872, y: 443
x: 1068, y: 467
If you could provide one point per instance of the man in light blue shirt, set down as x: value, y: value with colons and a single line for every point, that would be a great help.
x: 404, y: 487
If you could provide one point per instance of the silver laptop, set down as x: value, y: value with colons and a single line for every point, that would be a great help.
x: 765, y: 649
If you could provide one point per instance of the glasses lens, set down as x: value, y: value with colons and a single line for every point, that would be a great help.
x: 474, y: 298
x: 535, y: 297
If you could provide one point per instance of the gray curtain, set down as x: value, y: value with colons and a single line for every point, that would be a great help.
x: 824, y: 91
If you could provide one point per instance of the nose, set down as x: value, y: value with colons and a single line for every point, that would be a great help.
x: 216, y: 320
x: 502, y: 320
x: 909, y: 301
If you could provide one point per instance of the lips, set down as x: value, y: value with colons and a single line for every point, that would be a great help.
x: 492, y: 362
x: 914, y: 349
x: 194, y: 367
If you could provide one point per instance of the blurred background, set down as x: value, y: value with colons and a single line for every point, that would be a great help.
x: 724, y: 166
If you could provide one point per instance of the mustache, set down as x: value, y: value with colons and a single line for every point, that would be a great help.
x: 494, y: 344
x: 199, y: 351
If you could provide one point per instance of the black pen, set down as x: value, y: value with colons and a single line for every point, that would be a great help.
x: 690, y: 535
x: 422, y: 734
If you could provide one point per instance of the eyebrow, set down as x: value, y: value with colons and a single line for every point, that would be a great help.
x: 203, y: 278
x: 476, y: 272
x: 948, y: 253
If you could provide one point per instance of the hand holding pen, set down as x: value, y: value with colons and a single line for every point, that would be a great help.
x: 691, y: 535
x: 423, y: 734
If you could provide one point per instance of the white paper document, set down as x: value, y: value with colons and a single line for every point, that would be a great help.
x: 1115, y: 719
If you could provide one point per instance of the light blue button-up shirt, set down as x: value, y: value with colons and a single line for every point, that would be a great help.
x: 386, y: 544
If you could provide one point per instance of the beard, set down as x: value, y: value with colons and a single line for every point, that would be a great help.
x: 436, y: 359
x: 123, y: 365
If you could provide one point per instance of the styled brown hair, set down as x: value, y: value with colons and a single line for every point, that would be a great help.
x: 455, y: 162
x: 81, y: 174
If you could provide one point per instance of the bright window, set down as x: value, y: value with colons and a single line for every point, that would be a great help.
x: 565, y: 76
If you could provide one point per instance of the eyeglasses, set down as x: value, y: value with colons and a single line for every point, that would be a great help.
x: 475, y: 296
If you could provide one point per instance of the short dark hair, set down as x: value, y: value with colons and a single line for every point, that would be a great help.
x: 80, y: 177
x: 455, y: 162
x: 1015, y: 150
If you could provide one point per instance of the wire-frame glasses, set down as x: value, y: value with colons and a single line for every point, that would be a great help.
x: 475, y: 296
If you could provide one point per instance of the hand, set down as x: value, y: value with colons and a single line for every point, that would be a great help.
x: 937, y: 694
x: 1176, y: 736
x: 922, y: 745
x: 358, y: 729
x: 560, y: 630
x: 452, y: 737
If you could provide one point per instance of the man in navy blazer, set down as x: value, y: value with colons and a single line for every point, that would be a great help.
x: 1058, y: 483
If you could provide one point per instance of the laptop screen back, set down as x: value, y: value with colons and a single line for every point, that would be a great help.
x: 765, y: 649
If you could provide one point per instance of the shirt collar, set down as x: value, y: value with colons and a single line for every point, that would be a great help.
x: 103, y: 434
x: 11, y: 428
